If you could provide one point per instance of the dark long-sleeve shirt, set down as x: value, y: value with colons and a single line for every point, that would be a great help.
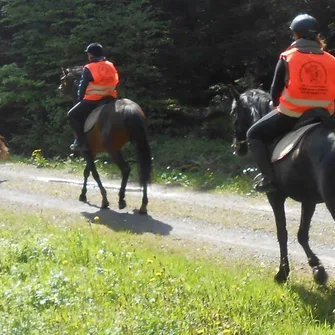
x: 278, y: 82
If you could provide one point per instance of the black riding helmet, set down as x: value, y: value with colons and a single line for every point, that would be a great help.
x: 304, y: 25
x: 95, y: 49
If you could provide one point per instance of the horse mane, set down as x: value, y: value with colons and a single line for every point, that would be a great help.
x: 3, y: 148
x: 75, y: 71
x: 258, y: 101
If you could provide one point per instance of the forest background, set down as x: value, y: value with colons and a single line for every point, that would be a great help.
x: 175, y: 58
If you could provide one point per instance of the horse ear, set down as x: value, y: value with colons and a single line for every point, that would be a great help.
x: 233, y: 92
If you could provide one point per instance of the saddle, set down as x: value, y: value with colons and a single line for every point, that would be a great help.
x: 309, y: 120
x: 93, y: 117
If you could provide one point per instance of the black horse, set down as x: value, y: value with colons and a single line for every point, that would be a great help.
x: 306, y: 174
x: 112, y: 130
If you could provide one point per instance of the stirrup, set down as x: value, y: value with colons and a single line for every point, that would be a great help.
x: 75, y: 146
x: 265, y: 186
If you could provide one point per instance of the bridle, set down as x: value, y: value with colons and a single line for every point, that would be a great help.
x: 236, y: 145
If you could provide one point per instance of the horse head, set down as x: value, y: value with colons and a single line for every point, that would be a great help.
x: 247, y: 108
x: 3, y: 148
x: 69, y: 81
x: 239, y: 113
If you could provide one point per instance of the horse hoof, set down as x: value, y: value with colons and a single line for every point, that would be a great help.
x: 143, y: 210
x: 280, y: 278
x: 282, y: 275
x: 104, y: 204
x: 82, y: 198
x: 320, y: 275
x: 122, y: 204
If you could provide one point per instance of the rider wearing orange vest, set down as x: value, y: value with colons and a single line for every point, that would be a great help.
x: 304, y: 79
x: 98, y: 83
x: 308, y: 83
x: 105, y: 80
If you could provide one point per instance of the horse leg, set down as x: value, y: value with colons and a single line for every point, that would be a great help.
x: 145, y: 201
x: 87, y: 171
x: 277, y: 202
x: 95, y: 174
x: 319, y: 272
x: 118, y: 159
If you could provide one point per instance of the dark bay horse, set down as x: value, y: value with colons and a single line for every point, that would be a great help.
x: 3, y: 148
x: 306, y: 175
x: 109, y: 134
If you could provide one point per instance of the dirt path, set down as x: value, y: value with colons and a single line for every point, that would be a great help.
x: 228, y: 225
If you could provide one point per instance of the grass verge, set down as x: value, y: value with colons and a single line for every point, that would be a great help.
x: 194, y: 163
x: 63, y: 277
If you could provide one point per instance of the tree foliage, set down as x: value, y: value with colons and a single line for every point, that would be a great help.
x: 168, y: 53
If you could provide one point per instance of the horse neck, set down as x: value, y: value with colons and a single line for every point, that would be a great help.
x: 259, y: 110
x: 74, y: 92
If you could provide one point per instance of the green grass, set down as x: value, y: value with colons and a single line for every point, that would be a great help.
x: 61, y: 277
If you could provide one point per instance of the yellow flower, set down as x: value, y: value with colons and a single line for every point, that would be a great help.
x: 201, y: 331
x: 149, y: 261
x: 65, y: 262
x: 96, y: 219
x: 158, y: 274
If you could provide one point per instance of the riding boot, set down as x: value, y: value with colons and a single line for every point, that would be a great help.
x: 261, y: 155
x: 80, y: 143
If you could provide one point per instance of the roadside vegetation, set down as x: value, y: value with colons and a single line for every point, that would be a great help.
x: 64, y: 276
x: 199, y: 164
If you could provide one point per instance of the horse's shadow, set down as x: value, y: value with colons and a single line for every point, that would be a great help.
x: 134, y: 223
x: 321, y: 302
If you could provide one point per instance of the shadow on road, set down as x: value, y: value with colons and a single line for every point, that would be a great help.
x: 135, y: 223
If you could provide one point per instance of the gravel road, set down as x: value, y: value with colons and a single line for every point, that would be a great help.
x: 225, y: 225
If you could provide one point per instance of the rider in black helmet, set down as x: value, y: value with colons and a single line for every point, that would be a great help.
x: 95, y: 49
x: 307, y: 46
x: 98, y: 82
x: 305, y: 26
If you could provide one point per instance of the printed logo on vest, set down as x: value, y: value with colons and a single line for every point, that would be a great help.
x: 313, y: 78
x: 313, y: 73
x: 105, y: 71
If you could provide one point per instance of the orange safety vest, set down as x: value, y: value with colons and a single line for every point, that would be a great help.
x: 105, y: 80
x: 311, y: 83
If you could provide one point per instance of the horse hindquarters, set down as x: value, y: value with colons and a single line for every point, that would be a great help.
x: 326, y: 181
x: 320, y: 149
x: 298, y: 174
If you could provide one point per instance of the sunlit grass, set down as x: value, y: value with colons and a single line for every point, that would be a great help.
x: 80, y: 278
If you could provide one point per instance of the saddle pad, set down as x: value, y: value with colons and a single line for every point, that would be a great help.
x: 288, y: 142
x: 92, y: 118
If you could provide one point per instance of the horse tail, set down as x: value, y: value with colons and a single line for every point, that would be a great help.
x: 136, y: 123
